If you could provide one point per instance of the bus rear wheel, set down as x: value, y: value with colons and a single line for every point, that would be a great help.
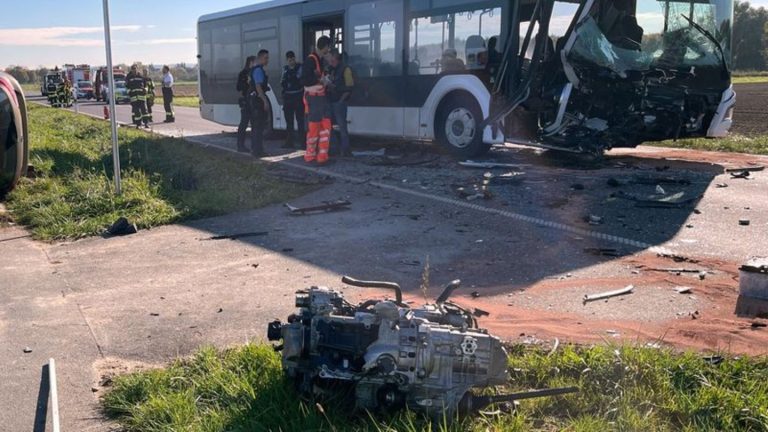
x: 457, y: 127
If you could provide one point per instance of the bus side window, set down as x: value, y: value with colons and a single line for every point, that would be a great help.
x: 375, y: 37
x: 436, y: 39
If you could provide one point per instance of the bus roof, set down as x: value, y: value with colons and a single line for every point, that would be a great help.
x: 248, y: 9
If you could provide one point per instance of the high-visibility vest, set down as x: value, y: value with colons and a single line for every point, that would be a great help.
x: 317, y: 89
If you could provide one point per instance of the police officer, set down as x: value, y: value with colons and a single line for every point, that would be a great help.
x: 150, y: 89
x: 316, y: 102
x: 137, y: 91
x: 259, y: 103
x: 244, y: 88
x: 168, y: 95
x: 293, y: 99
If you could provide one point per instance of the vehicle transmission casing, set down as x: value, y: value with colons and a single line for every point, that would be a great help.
x: 391, y: 356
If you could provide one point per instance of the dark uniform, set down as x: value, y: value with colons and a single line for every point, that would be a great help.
x: 137, y: 91
x: 293, y: 102
x: 150, y: 98
x: 259, y: 78
x: 244, y: 87
x: 342, y: 85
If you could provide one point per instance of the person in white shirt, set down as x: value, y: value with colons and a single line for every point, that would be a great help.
x: 168, y: 95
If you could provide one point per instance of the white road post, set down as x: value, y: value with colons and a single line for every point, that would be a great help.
x: 54, y: 395
x: 112, y: 111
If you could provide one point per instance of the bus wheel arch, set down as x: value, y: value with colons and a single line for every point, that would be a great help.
x: 457, y: 124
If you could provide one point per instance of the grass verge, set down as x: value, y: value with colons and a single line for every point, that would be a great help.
x: 622, y: 388
x: 734, y: 143
x: 165, y: 180
x: 187, y: 101
x: 750, y: 79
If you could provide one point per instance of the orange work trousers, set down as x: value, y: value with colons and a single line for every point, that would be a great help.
x: 318, y: 128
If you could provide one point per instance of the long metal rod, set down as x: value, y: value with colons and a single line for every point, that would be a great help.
x: 54, y: 395
x: 112, y: 110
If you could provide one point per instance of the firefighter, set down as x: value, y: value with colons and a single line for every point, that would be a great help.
x: 293, y: 99
x: 317, y: 108
x: 137, y: 91
x: 259, y: 103
x: 168, y: 95
x: 150, y: 95
x: 63, y: 93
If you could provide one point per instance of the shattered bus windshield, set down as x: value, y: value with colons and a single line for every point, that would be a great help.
x: 655, y: 34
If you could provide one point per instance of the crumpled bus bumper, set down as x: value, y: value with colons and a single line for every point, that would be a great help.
x: 723, y: 119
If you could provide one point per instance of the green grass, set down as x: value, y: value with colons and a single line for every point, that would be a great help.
x: 734, y: 143
x: 622, y: 389
x: 187, y: 101
x: 31, y: 88
x: 165, y: 180
x: 750, y: 79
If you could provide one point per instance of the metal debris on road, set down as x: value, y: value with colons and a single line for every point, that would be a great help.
x: 368, y: 153
x: 411, y: 262
x: 659, y: 180
x: 756, y: 324
x: 721, y: 185
x: 755, y: 168
x: 744, y: 222
x: 489, y: 165
x: 683, y: 290
x: 594, y: 220
x: 326, y: 206
x: 508, y: 177
x: 605, y: 295
x: 671, y: 201
x: 740, y: 175
x: 27, y: 350
x: 238, y: 235
x: 602, y: 251
x: 660, y: 190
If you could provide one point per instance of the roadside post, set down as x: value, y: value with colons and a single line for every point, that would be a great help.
x: 111, y: 86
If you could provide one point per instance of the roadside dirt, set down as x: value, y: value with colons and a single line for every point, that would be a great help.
x: 750, y: 117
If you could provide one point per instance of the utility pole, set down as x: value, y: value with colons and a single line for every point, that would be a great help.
x: 111, y: 86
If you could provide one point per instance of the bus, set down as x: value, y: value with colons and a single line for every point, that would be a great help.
x: 582, y: 76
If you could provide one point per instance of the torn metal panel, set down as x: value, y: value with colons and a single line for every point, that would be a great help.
x: 327, y: 206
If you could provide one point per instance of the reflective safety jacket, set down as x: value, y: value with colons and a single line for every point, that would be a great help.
x: 150, y: 89
x: 137, y: 87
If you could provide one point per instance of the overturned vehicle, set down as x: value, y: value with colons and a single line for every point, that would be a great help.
x: 385, y: 356
x: 623, y: 73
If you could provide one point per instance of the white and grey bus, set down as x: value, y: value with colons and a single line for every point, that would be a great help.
x: 582, y: 76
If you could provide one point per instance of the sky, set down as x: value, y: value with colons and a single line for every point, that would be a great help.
x: 45, y: 33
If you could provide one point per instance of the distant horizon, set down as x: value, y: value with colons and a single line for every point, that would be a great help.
x: 36, y: 33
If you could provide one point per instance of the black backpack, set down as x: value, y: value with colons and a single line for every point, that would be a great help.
x: 243, y: 81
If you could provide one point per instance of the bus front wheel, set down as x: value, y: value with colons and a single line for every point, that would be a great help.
x: 457, y: 127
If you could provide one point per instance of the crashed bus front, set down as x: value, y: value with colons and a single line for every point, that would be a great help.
x: 625, y: 72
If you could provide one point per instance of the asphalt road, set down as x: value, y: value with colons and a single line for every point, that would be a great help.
x: 101, y: 306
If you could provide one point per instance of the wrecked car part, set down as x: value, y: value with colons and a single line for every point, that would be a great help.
x: 327, y: 206
x: 388, y: 356
x: 606, y: 295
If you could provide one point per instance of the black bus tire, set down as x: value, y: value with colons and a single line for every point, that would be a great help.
x: 457, y: 126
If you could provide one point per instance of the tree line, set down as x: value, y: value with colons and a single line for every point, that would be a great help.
x: 749, y: 53
x: 181, y: 72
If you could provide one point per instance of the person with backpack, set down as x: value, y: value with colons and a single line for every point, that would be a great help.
x: 293, y: 99
x: 340, y: 89
x: 244, y: 88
